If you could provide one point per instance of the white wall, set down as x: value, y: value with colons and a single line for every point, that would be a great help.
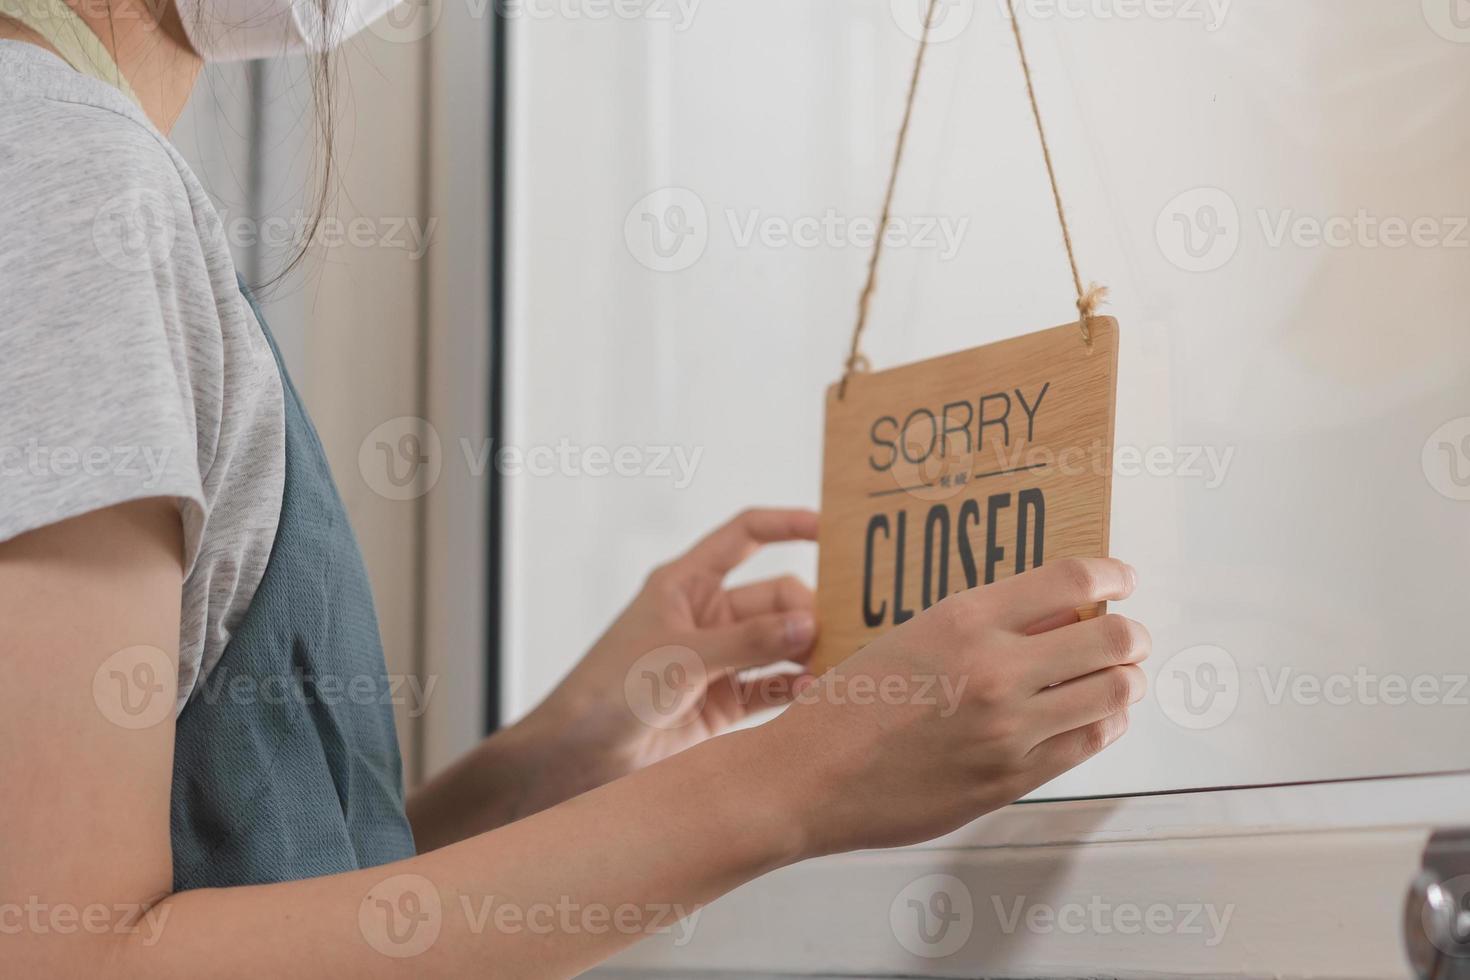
x: 1332, y: 544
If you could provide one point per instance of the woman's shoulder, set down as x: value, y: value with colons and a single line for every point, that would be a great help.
x: 86, y: 180
x: 62, y: 130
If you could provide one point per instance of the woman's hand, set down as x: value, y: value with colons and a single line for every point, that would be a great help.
x: 965, y: 708
x: 666, y: 674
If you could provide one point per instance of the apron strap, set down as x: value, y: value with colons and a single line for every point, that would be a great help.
x: 65, y: 31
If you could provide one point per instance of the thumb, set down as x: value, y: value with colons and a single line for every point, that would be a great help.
x: 759, y: 640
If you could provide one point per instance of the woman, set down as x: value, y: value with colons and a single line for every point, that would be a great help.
x: 202, y: 772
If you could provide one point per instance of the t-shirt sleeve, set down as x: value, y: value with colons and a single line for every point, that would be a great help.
x: 96, y: 407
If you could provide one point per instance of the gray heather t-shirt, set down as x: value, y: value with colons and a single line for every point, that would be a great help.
x: 130, y: 364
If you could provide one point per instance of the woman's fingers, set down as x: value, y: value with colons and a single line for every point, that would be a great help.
x: 728, y: 546
x: 1020, y: 602
x: 757, y: 641
x: 1083, y: 648
x: 1086, y: 700
x: 785, y: 594
x: 1064, y: 752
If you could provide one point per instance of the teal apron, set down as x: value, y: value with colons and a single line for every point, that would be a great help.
x: 286, y: 761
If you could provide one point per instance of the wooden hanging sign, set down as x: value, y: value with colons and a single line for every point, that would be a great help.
x: 950, y: 473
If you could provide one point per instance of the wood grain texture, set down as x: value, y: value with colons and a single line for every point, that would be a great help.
x: 954, y: 471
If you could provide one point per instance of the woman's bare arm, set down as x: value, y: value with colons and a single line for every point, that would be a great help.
x: 85, y: 864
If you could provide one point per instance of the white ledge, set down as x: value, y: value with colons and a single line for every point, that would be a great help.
x: 1283, y: 882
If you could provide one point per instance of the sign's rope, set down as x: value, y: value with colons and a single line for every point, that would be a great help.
x: 856, y: 361
x: 1088, y: 297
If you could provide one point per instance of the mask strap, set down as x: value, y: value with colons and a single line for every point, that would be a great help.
x: 65, y: 31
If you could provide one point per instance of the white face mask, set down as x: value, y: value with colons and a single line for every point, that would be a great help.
x: 237, y: 30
